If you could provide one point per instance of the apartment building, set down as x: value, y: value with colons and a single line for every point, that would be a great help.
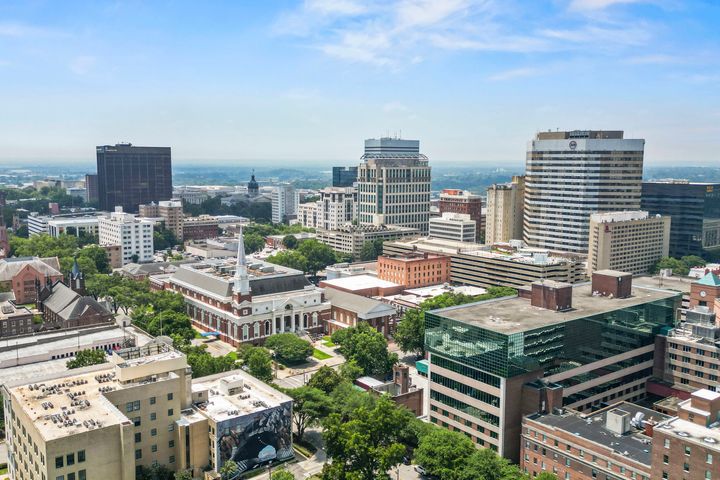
x: 135, y: 236
x: 200, y: 228
x: 577, y: 347
x: 504, y: 217
x: 627, y: 241
x: 169, y: 210
x: 453, y: 226
x: 415, y: 269
x: 464, y: 203
x: 571, y: 175
x: 284, y: 203
x: 351, y: 238
x: 336, y: 208
x: 394, y: 184
x: 484, y: 266
x: 139, y: 409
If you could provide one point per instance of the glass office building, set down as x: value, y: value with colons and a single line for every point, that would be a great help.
x: 482, y: 354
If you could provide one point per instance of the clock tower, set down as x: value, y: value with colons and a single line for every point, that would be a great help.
x: 705, y: 291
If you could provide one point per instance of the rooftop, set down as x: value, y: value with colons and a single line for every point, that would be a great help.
x: 634, y: 445
x: 509, y: 315
x: 359, y: 282
x: 710, y: 280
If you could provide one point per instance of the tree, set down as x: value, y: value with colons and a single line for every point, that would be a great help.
x: 290, y: 242
x: 346, y: 398
x: 228, y: 470
x: 183, y: 475
x: 202, y: 362
x: 253, y: 242
x: 259, y: 363
x: 154, y: 472
x: 371, y: 249
x: 318, y: 255
x: 350, y: 370
x: 289, y: 347
x: 310, y: 405
x: 693, y: 261
x: 444, y: 453
x: 163, y: 238
x: 677, y: 266
x: 488, y: 465
x: 85, y: 358
x: 291, y: 259
x: 99, y: 257
x: 325, y: 379
x: 368, y: 444
x: 367, y: 347
x: 282, y: 475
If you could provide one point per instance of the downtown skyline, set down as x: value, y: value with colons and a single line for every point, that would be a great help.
x: 309, y: 81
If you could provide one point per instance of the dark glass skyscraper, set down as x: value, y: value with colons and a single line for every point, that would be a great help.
x: 344, y: 176
x: 129, y: 176
x: 694, y: 209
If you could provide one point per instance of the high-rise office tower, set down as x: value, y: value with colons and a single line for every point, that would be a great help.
x: 91, y: 187
x: 394, y: 184
x: 695, y: 212
x: 284, y: 203
x: 344, y: 176
x: 129, y: 176
x: 504, y: 219
x: 571, y: 175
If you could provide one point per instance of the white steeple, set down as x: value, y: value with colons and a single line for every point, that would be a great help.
x: 242, y: 283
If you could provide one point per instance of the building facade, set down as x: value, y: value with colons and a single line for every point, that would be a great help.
x: 349, y: 309
x: 571, y: 175
x: 695, y: 212
x: 91, y: 187
x: 20, y: 275
x: 284, y: 203
x: 169, y: 210
x: 627, y: 241
x: 464, y: 203
x: 134, y: 236
x: 394, y: 184
x: 504, y: 217
x: 586, y: 349
x: 129, y: 176
x: 336, y: 208
x: 200, y: 228
x: 453, y: 226
x: 351, y: 238
x: 344, y: 176
x: 414, y: 270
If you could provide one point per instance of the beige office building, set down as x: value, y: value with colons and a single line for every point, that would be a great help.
x: 109, y: 421
x: 504, y: 217
x: 627, y: 241
x: 169, y: 210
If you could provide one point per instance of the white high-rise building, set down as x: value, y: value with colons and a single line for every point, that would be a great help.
x: 337, y: 207
x: 394, y: 184
x: 284, y: 203
x: 504, y: 218
x: 571, y: 175
x: 135, y: 236
x: 453, y: 226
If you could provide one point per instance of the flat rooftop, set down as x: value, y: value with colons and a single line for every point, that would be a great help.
x: 676, y: 283
x: 514, y: 314
x: 634, y: 445
x: 359, y: 282
x: 235, y: 394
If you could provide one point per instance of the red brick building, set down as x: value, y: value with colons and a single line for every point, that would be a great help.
x: 199, y: 228
x: 462, y: 201
x: 705, y: 291
x: 21, y: 274
x: 349, y: 309
x: 415, y: 269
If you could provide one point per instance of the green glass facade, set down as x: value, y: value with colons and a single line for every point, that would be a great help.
x: 555, y: 347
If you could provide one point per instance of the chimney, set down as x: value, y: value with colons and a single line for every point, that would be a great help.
x: 401, y: 377
x: 609, y: 283
x: 551, y: 295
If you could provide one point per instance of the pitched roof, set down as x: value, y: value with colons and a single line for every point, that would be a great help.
x: 10, y: 267
x: 710, y: 279
x: 69, y: 304
x: 365, y: 308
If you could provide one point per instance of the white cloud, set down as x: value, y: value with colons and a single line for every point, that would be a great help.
x: 598, y: 4
x: 335, y: 7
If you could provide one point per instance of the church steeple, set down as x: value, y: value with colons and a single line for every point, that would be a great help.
x: 242, y: 282
x: 77, y: 278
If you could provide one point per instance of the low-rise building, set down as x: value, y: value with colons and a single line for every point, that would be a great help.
x: 485, y: 266
x: 345, y: 269
x: 464, y: 203
x: 37, y: 224
x: 363, y: 285
x: 135, y: 236
x: 14, y: 319
x: 351, y: 238
x: 414, y: 269
x: 349, y: 309
x: 705, y: 291
x: 453, y: 226
x: 200, y: 228
x: 399, y: 389
x: 413, y: 297
x: 75, y: 226
x: 627, y: 241
x: 20, y: 275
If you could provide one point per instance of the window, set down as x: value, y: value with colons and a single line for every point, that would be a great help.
x: 153, y: 432
x: 138, y: 454
x: 667, y: 443
x: 153, y: 416
x: 81, y: 456
x: 171, y: 427
x: 153, y: 448
x: 71, y: 476
x: 687, y: 450
x: 82, y: 475
x: 171, y: 459
x: 686, y: 467
x: 59, y: 462
x: 708, y: 459
x: 666, y: 459
x: 169, y: 396
x: 137, y: 421
x: 70, y: 459
x: 152, y: 400
x: 171, y: 444
x: 170, y: 412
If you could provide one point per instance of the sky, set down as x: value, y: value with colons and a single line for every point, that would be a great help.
x: 278, y: 81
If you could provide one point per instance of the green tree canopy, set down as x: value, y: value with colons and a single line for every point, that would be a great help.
x: 282, y: 475
x: 259, y: 364
x: 290, y: 241
x: 371, y: 249
x: 444, y: 453
x: 367, y: 347
x: 310, y: 405
x: 325, y: 379
x: 85, y: 358
x: 253, y: 242
x: 291, y: 259
x: 289, y: 347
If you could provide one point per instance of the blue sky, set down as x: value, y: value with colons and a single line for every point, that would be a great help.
x: 249, y: 81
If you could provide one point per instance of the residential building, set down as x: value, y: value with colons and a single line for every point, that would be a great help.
x: 344, y: 176
x: 309, y: 214
x: 336, y: 208
x: 140, y: 409
x: 394, y: 184
x: 284, y: 203
x: 247, y: 302
x: 349, y: 309
x: 568, y: 346
x: 688, y: 446
x: 91, y: 187
x: 627, y: 241
x: 483, y: 266
x: 200, y: 228
x: 351, y: 238
x: 453, y: 226
x: 363, y: 285
x: 135, y: 236
x: 169, y: 210
x: 615, y: 442
x: 20, y: 275
x: 130, y: 176
x: 505, y: 204
x: 414, y: 269
x: 570, y: 175
x: 464, y: 203
x: 695, y: 212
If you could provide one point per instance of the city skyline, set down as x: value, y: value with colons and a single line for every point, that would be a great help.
x: 473, y: 80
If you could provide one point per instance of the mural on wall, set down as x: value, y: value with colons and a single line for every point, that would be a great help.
x: 257, y: 438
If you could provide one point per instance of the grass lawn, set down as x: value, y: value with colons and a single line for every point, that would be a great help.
x: 320, y: 355
x: 233, y: 355
x: 327, y: 341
